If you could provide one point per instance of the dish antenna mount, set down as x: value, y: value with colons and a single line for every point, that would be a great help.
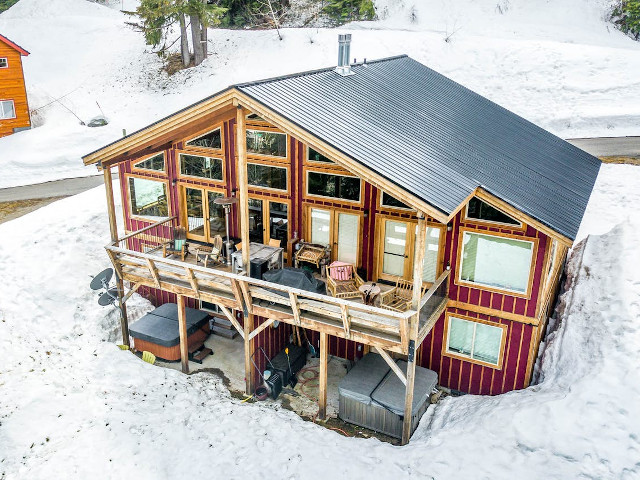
x: 109, y: 295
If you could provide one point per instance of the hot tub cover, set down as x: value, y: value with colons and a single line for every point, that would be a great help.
x: 170, y: 310
x: 364, y: 377
x: 162, y: 331
x: 390, y: 393
x: 295, y: 278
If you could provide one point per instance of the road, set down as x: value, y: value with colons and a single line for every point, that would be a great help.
x: 609, y: 147
x: 56, y: 188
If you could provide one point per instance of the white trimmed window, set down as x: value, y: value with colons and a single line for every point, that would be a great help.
x: 155, y: 163
x: 496, y: 262
x: 7, y: 109
x: 4, y: 63
x: 148, y: 198
x: 480, y: 211
x: 474, y: 340
x: 273, y: 144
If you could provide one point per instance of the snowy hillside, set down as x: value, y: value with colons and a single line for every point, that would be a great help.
x: 75, y: 406
x: 557, y: 63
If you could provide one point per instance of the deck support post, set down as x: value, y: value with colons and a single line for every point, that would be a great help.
x: 243, y: 186
x: 248, y: 352
x: 182, y: 327
x: 113, y: 228
x: 322, y: 380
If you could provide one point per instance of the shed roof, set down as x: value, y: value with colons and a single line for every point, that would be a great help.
x: 436, y: 139
x: 13, y: 45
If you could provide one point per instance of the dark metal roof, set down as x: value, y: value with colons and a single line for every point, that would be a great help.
x: 436, y: 139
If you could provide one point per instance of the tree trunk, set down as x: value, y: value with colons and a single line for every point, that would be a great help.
x: 196, y: 36
x: 204, y: 40
x: 184, y: 42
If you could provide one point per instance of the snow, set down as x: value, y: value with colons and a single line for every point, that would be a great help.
x: 559, y: 64
x: 74, y: 405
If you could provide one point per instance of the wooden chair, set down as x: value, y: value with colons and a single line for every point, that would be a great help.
x: 343, y: 281
x: 177, y: 246
x: 213, y: 253
x: 399, y: 297
x: 148, y: 357
x: 274, y: 242
x: 238, y: 246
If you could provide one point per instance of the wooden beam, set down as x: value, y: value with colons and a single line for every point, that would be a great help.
x: 346, y: 320
x: 418, y: 263
x: 131, y: 291
x: 237, y: 292
x: 248, y: 352
x: 232, y: 319
x: 294, y: 307
x: 111, y: 208
x: 261, y: 327
x: 394, y: 366
x: 243, y: 186
x: 322, y: 380
x: 411, y: 377
x: 193, y: 281
x: 182, y: 327
x: 154, y: 271
x: 493, y: 312
x: 247, y: 296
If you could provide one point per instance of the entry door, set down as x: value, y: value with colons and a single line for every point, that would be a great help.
x: 395, y: 254
x: 339, y: 229
x: 268, y: 220
x: 201, y: 216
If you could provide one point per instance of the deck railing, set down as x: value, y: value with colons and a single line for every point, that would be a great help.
x: 336, y: 316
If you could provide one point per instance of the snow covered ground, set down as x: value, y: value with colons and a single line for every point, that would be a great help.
x: 74, y: 406
x: 557, y: 63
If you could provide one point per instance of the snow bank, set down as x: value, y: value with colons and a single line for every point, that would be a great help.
x: 75, y: 406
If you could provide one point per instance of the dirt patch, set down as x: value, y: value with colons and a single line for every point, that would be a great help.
x: 12, y: 210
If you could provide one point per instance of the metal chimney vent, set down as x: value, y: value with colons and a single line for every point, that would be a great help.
x: 344, y: 52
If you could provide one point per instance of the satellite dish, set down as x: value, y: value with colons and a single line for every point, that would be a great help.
x: 109, y: 297
x: 102, y: 279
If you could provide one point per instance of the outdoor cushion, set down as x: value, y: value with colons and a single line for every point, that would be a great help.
x: 170, y: 311
x: 390, y: 393
x: 364, y: 377
x: 161, y: 330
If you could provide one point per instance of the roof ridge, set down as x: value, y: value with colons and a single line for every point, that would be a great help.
x: 312, y: 72
x: 13, y: 45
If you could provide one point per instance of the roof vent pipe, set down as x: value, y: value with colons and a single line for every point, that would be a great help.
x: 344, y: 51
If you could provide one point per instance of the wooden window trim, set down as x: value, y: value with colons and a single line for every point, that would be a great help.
x: 6, y: 62
x: 266, y: 234
x: 147, y: 170
x: 182, y: 205
x: 15, y: 113
x: 464, y: 358
x: 308, y: 161
x: 513, y: 293
x: 306, y: 193
x: 391, y: 208
x: 520, y: 226
x: 274, y: 165
x: 128, y: 193
x: 206, y: 151
x: 260, y: 156
x: 181, y: 152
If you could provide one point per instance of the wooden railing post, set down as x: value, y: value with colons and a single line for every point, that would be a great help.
x: 411, y: 377
x: 182, y: 327
x: 248, y: 352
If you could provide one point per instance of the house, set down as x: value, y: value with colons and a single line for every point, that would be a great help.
x: 14, y: 109
x: 399, y: 171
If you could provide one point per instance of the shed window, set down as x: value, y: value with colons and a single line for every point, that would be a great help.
x: 388, y: 201
x: 4, y: 63
x: 474, y: 340
x: 7, y: 109
x: 267, y: 176
x: 155, y: 163
x: 335, y: 186
x: 315, y: 156
x: 212, y: 139
x: 267, y: 143
x: 148, y: 198
x: 197, y: 166
x: 479, y: 210
x: 498, y: 262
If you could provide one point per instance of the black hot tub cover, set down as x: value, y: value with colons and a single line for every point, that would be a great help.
x: 295, y: 278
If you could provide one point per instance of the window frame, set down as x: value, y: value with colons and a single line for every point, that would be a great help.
x: 514, y: 226
x: 263, y: 156
x: 15, y: 113
x: 327, y: 198
x: 194, y: 177
x: 272, y: 165
x: 182, y: 205
x: 154, y: 179
x: 146, y: 170
x: 266, y: 232
x: 329, y: 164
x: 6, y: 62
x: 505, y: 291
x: 196, y: 148
x: 465, y: 358
x: 391, y: 207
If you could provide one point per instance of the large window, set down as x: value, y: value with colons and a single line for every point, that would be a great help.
x: 267, y: 143
x: 148, y: 198
x: 155, y: 163
x: 476, y: 341
x: 197, y: 166
x: 338, y: 229
x: 211, y: 139
x: 334, y: 186
x: 4, y: 63
x: 479, y: 210
x: 267, y: 176
x: 497, y: 262
x: 7, y: 109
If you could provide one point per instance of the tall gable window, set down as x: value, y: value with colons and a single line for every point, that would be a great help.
x: 334, y: 186
x: 315, y: 156
x: 155, y: 163
x: 7, y: 109
x: 273, y: 144
x: 479, y: 210
x: 212, y: 139
x: 476, y: 341
x: 4, y: 63
x: 267, y: 176
x: 203, y: 167
x: 496, y: 262
x: 148, y: 198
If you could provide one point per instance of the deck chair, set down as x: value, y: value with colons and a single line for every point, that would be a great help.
x: 343, y: 281
x: 177, y: 246
x: 274, y: 242
x: 213, y: 253
x: 123, y: 347
x: 148, y: 357
x: 399, y: 297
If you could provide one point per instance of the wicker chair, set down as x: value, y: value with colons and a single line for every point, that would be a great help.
x: 212, y: 254
x: 343, y: 281
x: 399, y: 297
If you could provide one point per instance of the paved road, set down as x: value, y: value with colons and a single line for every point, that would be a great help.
x: 57, y: 188
x: 609, y: 146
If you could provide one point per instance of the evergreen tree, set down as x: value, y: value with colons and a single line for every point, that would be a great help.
x: 626, y: 15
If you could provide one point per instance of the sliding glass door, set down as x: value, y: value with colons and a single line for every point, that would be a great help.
x: 340, y: 230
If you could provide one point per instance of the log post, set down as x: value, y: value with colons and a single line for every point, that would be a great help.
x: 243, y: 186
x: 418, y: 264
x: 322, y: 380
x: 248, y: 352
x: 182, y: 327
x: 113, y: 228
